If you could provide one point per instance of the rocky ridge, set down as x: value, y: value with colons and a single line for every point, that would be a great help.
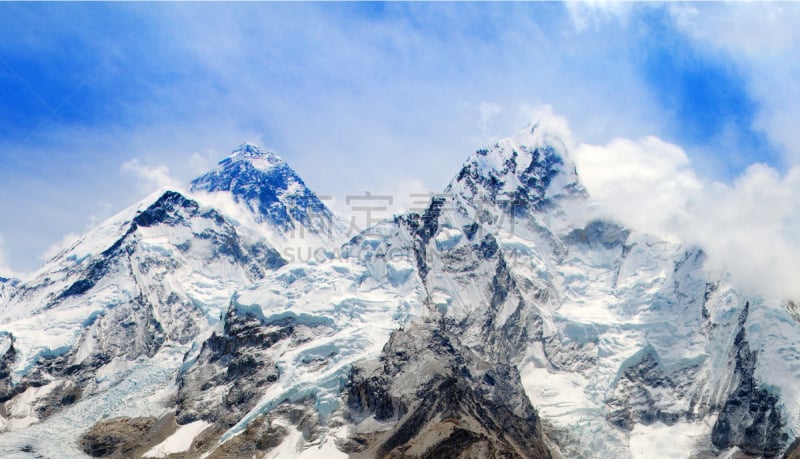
x: 507, y: 320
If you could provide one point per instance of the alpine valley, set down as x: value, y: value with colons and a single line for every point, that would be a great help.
x: 506, y: 320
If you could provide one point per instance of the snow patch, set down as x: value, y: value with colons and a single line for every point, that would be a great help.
x: 179, y: 441
x: 678, y: 441
x: 294, y: 447
x: 448, y: 238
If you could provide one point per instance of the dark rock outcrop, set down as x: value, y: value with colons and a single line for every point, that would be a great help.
x: 750, y: 418
x: 118, y: 437
x: 440, y: 400
x: 635, y: 400
x: 233, y: 369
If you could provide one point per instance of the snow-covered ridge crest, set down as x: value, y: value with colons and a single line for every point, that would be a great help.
x: 105, y: 233
x: 168, y: 259
x: 527, y: 178
x: 255, y: 155
x: 533, y: 162
x: 547, y: 128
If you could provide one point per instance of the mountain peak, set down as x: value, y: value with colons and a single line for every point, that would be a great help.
x: 546, y: 129
x: 269, y: 188
x: 260, y: 159
x: 529, y: 170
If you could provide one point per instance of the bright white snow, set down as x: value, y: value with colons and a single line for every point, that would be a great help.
x: 179, y: 441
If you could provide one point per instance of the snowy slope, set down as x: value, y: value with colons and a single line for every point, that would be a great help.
x: 293, y: 337
x: 102, y: 323
x: 161, y: 272
x: 508, y: 319
x: 619, y: 337
x: 636, y: 334
x: 7, y: 286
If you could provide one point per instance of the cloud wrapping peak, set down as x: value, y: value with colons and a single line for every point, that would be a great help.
x: 748, y: 228
x: 548, y: 127
x: 384, y: 95
x: 646, y: 183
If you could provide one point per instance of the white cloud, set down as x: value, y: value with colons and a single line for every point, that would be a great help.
x: 554, y: 128
x: 5, y: 267
x: 763, y: 39
x: 749, y: 228
x: 488, y: 112
x: 151, y: 176
x: 757, y: 30
x: 398, y: 197
x: 397, y: 110
x: 199, y: 163
x: 57, y: 247
x: 595, y: 13
x: 646, y: 183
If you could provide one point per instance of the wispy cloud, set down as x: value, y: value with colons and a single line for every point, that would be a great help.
x: 5, y: 268
x: 66, y: 241
x: 766, y: 58
x: 355, y: 97
x: 151, y: 176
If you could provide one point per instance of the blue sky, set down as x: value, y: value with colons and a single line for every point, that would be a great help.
x: 377, y: 97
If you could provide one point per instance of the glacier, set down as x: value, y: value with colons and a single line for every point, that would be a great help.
x: 511, y: 296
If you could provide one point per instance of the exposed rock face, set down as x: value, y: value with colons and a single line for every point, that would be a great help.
x: 265, y: 433
x: 46, y: 396
x: 599, y: 233
x: 750, y: 418
x: 638, y: 396
x: 7, y: 286
x: 448, y: 387
x: 7, y: 388
x: 231, y: 370
x: 118, y: 438
x: 793, y: 451
x: 440, y: 400
x: 521, y: 184
x: 122, y: 302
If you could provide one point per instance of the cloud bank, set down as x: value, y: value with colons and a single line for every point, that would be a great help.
x: 749, y: 228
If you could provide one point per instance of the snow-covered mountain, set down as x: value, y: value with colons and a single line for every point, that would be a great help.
x: 7, y: 285
x: 258, y: 187
x: 151, y: 278
x: 507, y: 320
